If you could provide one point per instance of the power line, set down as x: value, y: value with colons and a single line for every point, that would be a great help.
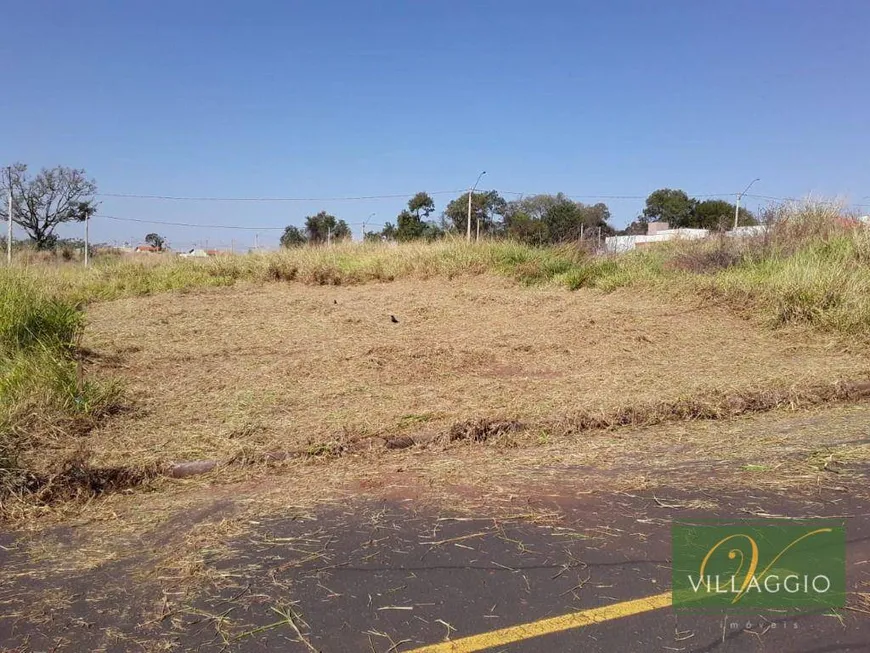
x: 773, y: 198
x: 216, y: 226
x: 605, y: 197
x: 275, y: 199
x: 588, y: 197
x: 404, y: 195
x: 377, y: 224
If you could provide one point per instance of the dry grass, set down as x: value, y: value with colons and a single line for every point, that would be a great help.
x: 235, y: 372
x: 299, y: 357
x: 342, y: 264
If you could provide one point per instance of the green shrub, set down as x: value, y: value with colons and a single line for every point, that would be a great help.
x: 29, y: 317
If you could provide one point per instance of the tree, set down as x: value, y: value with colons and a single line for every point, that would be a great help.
x: 555, y: 218
x: 421, y: 205
x: 342, y: 231
x: 413, y: 222
x: 487, y: 209
x: 410, y: 227
x: 156, y: 240
x: 324, y: 227
x: 598, y: 215
x: 564, y: 221
x: 567, y: 221
x: 292, y: 237
x: 672, y: 206
x: 636, y: 228
x: 719, y: 214
x: 681, y: 211
x: 52, y: 197
x: 524, y: 218
x: 432, y: 231
x: 523, y: 227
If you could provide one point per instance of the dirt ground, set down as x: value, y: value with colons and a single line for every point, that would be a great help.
x: 227, y: 372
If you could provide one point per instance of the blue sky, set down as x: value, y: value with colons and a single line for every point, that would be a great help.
x: 337, y: 99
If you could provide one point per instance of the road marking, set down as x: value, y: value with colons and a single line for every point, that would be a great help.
x: 532, y: 629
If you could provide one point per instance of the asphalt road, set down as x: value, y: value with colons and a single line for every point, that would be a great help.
x: 387, y: 577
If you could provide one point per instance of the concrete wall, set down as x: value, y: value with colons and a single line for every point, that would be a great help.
x: 616, y: 244
x: 748, y: 231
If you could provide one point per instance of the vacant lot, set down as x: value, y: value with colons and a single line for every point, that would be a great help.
x: 500, y: 420
x: 279, y: 367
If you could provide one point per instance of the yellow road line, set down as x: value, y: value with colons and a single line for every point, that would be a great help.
x: 518, y: 633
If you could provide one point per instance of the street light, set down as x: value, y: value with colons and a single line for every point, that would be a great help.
x: 468, y: 234
x: 371, y: 215
x: 739, y: 195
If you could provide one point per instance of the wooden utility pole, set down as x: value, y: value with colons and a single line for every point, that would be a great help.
x: 9, y: 216
x: 87, y: 238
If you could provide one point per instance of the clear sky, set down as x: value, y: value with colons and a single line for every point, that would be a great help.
x: 333, y: 99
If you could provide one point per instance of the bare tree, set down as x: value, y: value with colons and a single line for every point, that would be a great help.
x: 52, y: 197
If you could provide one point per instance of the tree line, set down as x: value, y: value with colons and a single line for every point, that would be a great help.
x: 681, y: 211
x: 58, y: 195
x: 537, y: 219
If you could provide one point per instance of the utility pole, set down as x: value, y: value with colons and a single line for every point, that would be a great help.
x: 9, y: 216
x: 599, y: 237
x: 470, y: 193
x: 256, y: 242
x: 740, y: 195
x: 329, y: 236
x: 232, y: 246
x: 87, y: 238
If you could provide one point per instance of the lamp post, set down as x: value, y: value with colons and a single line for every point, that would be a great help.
x: 371, y: 215
x: 740, y: 195
x: 470, y: 192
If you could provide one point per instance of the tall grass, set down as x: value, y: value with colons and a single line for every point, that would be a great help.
x: 43, y: 391
x: 341, y: 264
x: 810, y: 267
